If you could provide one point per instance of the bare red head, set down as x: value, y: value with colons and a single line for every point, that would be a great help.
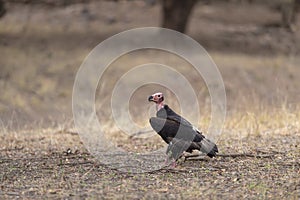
x: 157, y: 98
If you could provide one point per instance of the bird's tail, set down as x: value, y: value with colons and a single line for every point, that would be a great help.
x: 208, y: 147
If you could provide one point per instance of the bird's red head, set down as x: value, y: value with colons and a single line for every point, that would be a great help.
x: 157, y: 98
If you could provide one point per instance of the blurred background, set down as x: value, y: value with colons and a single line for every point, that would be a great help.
x: 255, y: 44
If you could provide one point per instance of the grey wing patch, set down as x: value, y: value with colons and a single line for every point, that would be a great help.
x: 176, y: 147
x: 157, y: 123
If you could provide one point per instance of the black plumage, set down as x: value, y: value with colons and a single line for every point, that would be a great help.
x: 178, y: 132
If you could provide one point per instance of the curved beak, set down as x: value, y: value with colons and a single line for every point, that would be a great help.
x: 150, y: 98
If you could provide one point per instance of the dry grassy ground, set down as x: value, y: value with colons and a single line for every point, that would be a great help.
x: 41, y: 49
x: 50, y: 163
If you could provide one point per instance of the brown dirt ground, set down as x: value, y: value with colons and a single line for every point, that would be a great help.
x: 37, y: 165
x: 41, y: 49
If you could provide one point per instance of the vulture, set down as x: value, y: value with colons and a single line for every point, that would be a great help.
x: 177, y: 132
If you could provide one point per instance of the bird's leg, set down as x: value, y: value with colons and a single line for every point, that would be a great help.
x: 173, y: 163
x: 166, y: 160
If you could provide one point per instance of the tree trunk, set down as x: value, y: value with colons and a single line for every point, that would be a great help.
x: 289, y: 13
x: 2, y: 8
x: 176, y: 13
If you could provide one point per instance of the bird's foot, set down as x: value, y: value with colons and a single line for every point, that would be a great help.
x: 171, y: 164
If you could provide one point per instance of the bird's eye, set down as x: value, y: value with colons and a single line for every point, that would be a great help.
x: 158, y: 95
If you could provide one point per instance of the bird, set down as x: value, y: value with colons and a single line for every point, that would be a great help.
x: 180, y: 135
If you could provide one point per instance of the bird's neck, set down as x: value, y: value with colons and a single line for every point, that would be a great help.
x: 159, y: 106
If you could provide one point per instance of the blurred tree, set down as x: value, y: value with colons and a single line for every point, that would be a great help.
x: 2, y: 8
x: 289, y: 11
x: 175, y: 13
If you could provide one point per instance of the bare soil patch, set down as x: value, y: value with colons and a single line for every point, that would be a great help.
x: 42, y: 166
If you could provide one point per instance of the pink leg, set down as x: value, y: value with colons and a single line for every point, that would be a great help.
x: 173, y: 164
x: 166, y: 161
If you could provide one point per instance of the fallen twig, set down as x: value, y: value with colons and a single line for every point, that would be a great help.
x: 246, y: 155
x: 75, y: 163
x: 200, y: 156
x: 140, y: 133
x: 273, y: 151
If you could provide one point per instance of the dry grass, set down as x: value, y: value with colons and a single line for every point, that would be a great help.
x: 54, y: 163
x: 42, y: 157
